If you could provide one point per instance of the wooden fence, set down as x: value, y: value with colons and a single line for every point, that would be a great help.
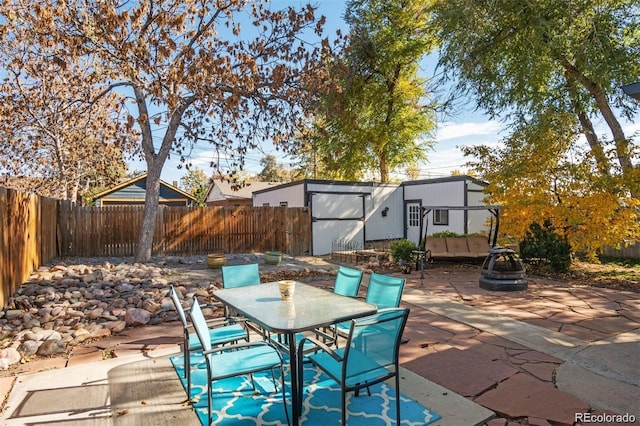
x: 113, y: 231
x: 35, y: 230
x: 27, y: 237
x: 627, y: 251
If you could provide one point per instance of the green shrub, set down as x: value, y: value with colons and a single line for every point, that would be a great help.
x: 445, y: 234
x: 543, y: 248
x: 401, y: 250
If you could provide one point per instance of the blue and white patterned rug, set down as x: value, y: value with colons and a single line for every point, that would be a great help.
x: 235, y: 402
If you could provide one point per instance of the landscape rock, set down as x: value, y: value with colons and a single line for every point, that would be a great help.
x: 51, y: 347
x: 9, y: 356
x: 137, y: 317
x: 70, y: 304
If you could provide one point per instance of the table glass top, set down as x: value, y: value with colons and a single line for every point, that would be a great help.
x: 309, y: 308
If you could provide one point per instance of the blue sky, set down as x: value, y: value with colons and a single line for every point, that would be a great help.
x: 466, y: 127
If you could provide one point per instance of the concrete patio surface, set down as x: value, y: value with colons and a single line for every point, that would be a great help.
x: 544, y: 356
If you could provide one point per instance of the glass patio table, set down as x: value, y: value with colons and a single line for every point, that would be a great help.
x: 310, y: 308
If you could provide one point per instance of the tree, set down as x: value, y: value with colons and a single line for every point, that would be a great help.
x: 540, y: 175
x: 527, y: 58
x: 196, y: 183
x: 373, y: 115
x: 57, y: 140
x: 191, y: 69
x: 271, y: 172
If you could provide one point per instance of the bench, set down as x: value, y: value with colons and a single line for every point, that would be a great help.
x: 472, y: 247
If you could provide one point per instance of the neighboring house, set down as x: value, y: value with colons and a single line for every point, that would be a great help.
x: 362, y: 212
x: 132, y: 192
x: 224, y: 193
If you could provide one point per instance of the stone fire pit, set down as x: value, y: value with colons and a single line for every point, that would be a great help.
x: 503, y: 271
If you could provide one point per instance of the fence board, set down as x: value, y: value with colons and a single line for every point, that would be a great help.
x: 113, y: 230
x: 25, y: 230
x: 627, y: 251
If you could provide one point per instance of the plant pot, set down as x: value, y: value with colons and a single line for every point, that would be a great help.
x: 272, y: 257
x: 216, y: 260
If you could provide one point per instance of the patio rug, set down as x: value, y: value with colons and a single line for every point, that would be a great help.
x: 236, y: 403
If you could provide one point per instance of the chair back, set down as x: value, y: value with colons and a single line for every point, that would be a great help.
x: 240, y: 275
x: 375, y: 338
x: 176, y: 301
x: 200, y: 324
x: 384, y: 291
x: 347, y: 281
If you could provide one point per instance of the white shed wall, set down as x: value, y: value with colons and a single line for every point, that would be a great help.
x: 293, y: 195
x: 380, y: 227
x: 451, y: 193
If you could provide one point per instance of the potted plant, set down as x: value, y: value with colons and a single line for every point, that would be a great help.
x: 272, y: 257
x: 402, y: 252
x: 216, y: 260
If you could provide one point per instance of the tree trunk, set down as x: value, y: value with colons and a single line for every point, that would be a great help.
x: 151, y: 202
x: 384, y: 168
x: 155, y: 162
x: 587, y: 128
x: 600, y: 97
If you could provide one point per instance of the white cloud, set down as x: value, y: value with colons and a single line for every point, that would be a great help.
x: 461, y: 130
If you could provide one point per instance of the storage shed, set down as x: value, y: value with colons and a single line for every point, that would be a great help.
x: 362, y: 212
x: 454, y: 191
x: 347, y: 211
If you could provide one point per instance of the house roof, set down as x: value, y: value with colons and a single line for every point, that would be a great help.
x: 445, y: 179
x: 227, y: 190
x: 139, y: 179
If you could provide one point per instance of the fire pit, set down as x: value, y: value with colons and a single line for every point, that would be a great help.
x: 503, y: 271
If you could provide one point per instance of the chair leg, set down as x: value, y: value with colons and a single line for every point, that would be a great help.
x: 344, y: 405
x: 273, y: 379
x: 209, y: 398
x: 284, y: 395
x: 187, y: 372
x: 187, y: 364
x: 397, y: 399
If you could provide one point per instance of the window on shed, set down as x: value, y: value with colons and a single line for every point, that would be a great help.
x: 414, y: 215
x: 441, y: 217
x: 284, y: 204
x: 265, y: 204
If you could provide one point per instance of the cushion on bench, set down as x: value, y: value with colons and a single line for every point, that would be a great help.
x: 438, y: 247
x: 478, y: 245
x: 458, y: 247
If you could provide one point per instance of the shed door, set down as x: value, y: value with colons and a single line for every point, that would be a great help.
x: 336, y: 217
x: 413, y: 222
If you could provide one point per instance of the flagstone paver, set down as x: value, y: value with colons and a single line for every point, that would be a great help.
x: 523, y: 396
x: 527, y: 394
x: 466, y: 372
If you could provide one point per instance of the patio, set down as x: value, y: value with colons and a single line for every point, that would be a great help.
x: 536, y: 357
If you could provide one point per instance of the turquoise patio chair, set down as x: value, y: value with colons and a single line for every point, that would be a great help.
x: 384, y: 291
x: 370, y: 355
x: 235, y: 360
x: 347, y: 281
x: 240, y: 275
x: 221, y: 331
